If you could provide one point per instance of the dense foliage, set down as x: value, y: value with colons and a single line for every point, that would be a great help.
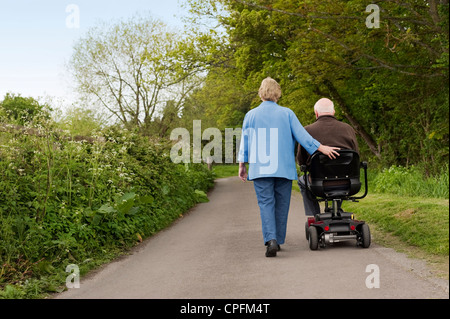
x: 390, y: 83
x: 404, y: 181
x: 67, y: 200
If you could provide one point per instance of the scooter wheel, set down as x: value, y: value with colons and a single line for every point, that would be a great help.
x: 313, y: 238
x: 365, y: 236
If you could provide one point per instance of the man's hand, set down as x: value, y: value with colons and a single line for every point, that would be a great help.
x: 242, y: 172
x: 329, y: 151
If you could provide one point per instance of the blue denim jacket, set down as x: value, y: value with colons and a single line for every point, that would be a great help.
x: 268, y: 140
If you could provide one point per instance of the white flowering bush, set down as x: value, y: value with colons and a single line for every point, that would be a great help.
x: 65, y: 200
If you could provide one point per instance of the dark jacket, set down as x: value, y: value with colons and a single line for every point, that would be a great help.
x: 330, y: 132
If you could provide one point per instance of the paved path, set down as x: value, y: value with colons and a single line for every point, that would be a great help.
x: 216, y: 251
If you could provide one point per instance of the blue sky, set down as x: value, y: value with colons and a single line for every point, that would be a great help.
x: 36, y: 42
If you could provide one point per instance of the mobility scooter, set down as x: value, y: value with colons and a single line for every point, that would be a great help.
x: 335, y: 180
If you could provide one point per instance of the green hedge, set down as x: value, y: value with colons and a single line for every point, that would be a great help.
x: 77, y: 202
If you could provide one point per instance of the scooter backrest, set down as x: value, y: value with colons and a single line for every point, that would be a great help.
x: 335, y: 178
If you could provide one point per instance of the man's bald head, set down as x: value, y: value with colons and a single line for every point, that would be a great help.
x: 324, y: 107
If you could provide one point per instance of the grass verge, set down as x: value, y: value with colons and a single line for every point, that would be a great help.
x: 222, y: 171
x: 420, y: 222
x: 416, y: 226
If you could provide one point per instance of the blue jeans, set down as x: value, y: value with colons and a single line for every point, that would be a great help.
x: 274, y: 198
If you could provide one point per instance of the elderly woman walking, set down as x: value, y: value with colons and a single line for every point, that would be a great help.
x: 268, y: 140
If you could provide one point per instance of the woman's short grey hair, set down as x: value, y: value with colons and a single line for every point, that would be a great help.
x: 269, y: 90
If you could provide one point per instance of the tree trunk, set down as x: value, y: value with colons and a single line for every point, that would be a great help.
x: 434, y: 11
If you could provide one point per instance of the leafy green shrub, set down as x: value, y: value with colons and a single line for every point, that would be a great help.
x: 20, y: 110
x: 64, y: 201
x: 412, y: 181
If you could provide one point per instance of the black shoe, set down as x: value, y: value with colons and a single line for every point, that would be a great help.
x: 272, y: 248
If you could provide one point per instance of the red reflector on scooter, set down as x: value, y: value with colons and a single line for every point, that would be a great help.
x: 352, y: 227
x: 326, y: 228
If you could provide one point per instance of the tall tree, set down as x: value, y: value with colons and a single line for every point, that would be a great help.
x: 390, y: 83
x: 132, y: 68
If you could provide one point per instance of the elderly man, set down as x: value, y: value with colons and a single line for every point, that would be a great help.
x: 275, y: 128
x: 329, y: 131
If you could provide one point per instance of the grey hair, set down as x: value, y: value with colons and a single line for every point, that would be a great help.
x: 324, y: 106
x: 270, y: 90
